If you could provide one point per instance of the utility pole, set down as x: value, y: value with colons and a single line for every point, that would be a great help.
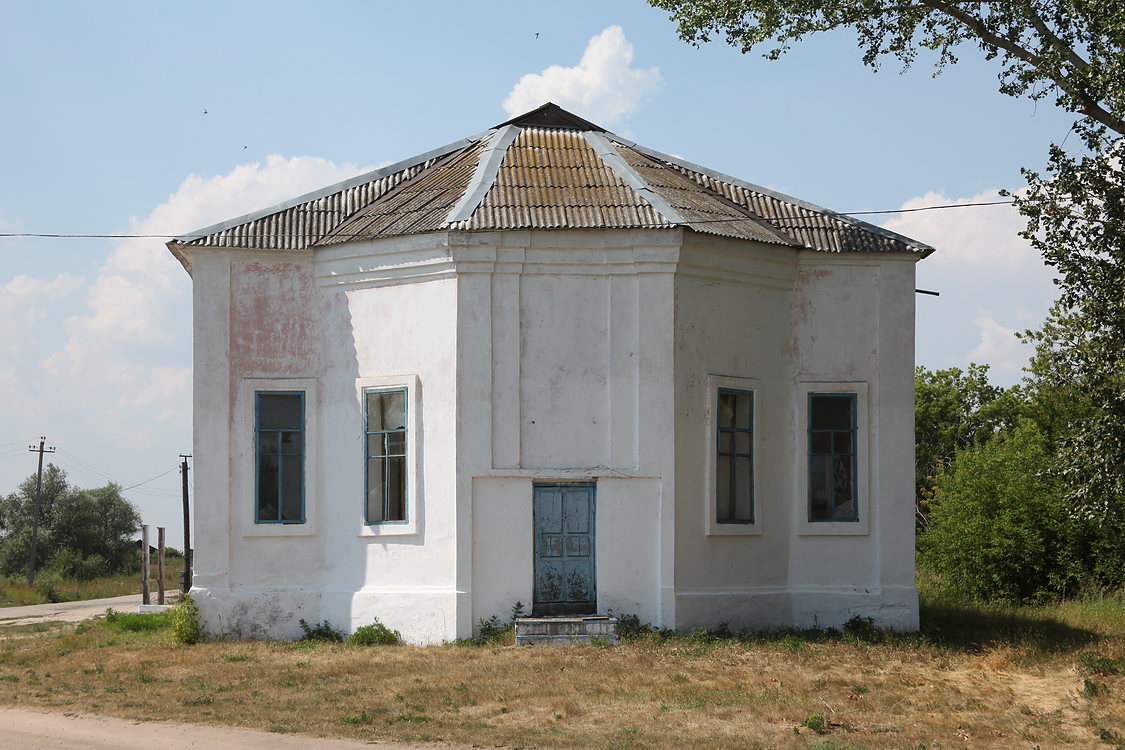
x: 35, y: 510
x: 187, y: 519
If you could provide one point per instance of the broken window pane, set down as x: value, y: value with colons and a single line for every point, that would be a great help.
x: 386, y: 453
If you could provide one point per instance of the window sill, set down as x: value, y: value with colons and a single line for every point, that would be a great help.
x: 393, y: 528
x: 833, y: 528
x: 252, y: 530
x: 715, y: 528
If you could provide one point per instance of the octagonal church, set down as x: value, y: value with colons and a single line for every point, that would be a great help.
x: 546, y: 364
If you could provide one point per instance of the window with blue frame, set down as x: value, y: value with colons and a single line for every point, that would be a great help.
x: 832, y: 457
x: 280, y: 449
x: 385, y: 427
x: 734, y: 460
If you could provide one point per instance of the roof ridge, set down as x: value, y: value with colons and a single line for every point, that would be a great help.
x: 390, y: 194
x: 484, y: 177
x: 360, y: 179
x: 736, y: 208
x: 612, y: 159
x: 715, y: 174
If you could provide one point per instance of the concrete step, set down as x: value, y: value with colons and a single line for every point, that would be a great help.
x: 565, y: 630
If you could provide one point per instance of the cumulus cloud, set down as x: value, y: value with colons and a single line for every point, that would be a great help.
x: 977, y: 235
x: 992, y: 283
x: 603, y: 87
x: 132, y: 343
x: 28, y: 293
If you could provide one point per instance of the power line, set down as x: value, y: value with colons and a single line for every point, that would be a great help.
x: 290, y: 235
x: 138, y: 484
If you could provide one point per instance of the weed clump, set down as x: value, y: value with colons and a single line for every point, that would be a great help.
x: 375, y: 634
x: 136, y: 622
x: 185, y: 622
x: 498, y: 630
x: 323, y: 632
x: 816, y: 723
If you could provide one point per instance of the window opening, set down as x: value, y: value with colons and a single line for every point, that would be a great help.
x: 386, y: 455
x: 280, y: 449
x: 832, y: 457
x: 734, y: 464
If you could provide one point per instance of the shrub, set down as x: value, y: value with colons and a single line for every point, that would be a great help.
x: 375, y: 634
x: 49, y: 586
x: 185, y: 622
x: 999, y: 525
x: 321, y: 632
x: 817, y: 723
x: 497, y: 630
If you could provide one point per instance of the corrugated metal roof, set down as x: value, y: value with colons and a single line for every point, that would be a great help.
x: 703, y: 210
x: 553, y: 179
x: 418, y: 205
x: 547, y: 170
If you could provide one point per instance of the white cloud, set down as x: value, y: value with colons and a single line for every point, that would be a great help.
x: 976, y: 235
x: 992, y: 284
x: 28, y: 293
x: 998, y: 346
x: 603, y: 87
x: 132, y: 344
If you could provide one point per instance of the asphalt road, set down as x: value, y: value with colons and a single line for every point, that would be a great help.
x: 67, y: 611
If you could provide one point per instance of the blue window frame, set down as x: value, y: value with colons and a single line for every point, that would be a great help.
x: 833, y: 476
x: 385, y: 412
x: 734, y: 459
x: 279, y: 448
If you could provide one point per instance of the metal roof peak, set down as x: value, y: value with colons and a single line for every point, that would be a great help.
x: 551, y: 115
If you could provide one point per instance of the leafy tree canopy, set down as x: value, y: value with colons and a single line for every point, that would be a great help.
x: 1071, y: 49
x: 954, y: 409
x: 82, y: 533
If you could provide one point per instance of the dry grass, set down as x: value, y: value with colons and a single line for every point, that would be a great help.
x: 14, y: 591
x: 974, y: 678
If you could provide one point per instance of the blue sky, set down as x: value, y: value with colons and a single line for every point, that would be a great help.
x: 161, y: 117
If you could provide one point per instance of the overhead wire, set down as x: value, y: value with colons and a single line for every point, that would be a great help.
x: 292, y: 235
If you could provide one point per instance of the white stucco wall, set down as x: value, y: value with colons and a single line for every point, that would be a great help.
x: 787, y: 323
x: 548, y: 356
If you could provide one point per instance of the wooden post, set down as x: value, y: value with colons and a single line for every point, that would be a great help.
x: 159, y: 564
x: 146, y: 561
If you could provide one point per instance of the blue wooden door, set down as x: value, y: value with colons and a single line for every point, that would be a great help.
x: 564, y: 549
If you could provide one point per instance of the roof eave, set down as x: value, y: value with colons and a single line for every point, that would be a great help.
x: 922, y: 248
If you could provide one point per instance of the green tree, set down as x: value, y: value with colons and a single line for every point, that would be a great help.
x: 999, y: 529
x: 82, y: 533
x: 954, y: 409
x: 1070, y: 49
x: 16, y: 520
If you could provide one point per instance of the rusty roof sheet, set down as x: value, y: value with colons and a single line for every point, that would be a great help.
x: 418, y: 205
x: 704, y: 210
x: 548, y: 169
x: 554, y: 179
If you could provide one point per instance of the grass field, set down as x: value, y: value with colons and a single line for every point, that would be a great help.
x: 14, y: 591
x: 974, y: 677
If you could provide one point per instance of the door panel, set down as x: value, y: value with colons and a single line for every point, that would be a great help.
x: 564, y: 549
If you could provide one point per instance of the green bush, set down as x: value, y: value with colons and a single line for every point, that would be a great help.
x: 320, y: 632
x: 375, y: 634
x: 49, y: 586
x: 999, y: 527
x: 185, y: 622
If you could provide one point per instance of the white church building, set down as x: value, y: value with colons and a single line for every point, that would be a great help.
x: 546, y: 364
